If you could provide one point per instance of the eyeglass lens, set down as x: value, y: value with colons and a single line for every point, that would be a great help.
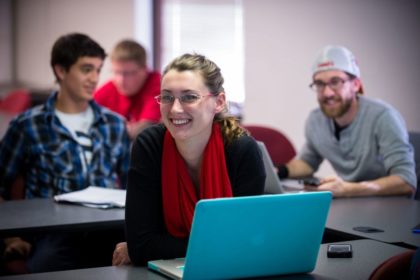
x: 185, y: 99
x: 335, y: 84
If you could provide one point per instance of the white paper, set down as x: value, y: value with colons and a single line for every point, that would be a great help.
x: 292, y: 184
x: 96, y: 197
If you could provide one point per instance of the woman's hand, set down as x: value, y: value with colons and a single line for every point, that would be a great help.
x: 120, y: 256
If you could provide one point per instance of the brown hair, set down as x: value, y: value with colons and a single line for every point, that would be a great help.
x: 213, y: 80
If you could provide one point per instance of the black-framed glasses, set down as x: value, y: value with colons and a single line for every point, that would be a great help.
x: 184, y: 99
x: 335, y: 84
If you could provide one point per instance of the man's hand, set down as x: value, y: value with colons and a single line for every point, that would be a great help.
x: 15, y: 246
x: 334, y: 184
x: 388, y: 185
x: 120, y: 256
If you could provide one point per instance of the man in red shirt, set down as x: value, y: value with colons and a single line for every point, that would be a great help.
x: 132, y: 89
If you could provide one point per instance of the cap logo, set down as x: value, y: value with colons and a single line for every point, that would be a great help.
x: 326, y: 64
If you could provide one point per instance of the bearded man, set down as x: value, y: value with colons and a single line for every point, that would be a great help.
x: 365, y: 140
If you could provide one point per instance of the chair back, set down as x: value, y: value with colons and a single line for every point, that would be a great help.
x: 279, y: 147
x: 11, y: 104
x: 396, y: 267
x: 15, y: 102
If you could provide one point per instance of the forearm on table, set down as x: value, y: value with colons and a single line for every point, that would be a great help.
x: 298, y: 168
x: 389, y: 185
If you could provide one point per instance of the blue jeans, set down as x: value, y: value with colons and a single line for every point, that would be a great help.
x: 54, y: 252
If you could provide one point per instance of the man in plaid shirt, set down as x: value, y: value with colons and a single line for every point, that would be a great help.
x: 67, y: 144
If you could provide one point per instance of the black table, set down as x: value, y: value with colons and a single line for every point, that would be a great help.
x: 367, y: 255
x: 20, y: 217
x: 396, y: 216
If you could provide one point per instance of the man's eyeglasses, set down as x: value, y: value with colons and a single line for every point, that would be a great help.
x: 335, y: 84
x: 184, y: 99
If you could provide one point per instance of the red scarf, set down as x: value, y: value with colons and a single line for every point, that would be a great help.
x: 178, y: 192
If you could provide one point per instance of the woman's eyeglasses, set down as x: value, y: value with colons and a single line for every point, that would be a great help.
x: 184, y: 99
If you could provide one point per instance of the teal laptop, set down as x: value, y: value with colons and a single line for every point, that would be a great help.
x: 252, y: 236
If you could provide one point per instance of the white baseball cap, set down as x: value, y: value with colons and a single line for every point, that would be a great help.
x: 336, y: 58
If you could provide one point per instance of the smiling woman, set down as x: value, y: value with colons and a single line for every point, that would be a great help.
x: 198, y: 152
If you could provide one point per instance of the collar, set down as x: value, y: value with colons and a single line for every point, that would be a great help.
x: 49, y: 108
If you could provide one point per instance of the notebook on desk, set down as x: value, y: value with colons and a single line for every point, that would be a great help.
x: 95, y: 197
x: 273, y: 185
x: 252, y: 236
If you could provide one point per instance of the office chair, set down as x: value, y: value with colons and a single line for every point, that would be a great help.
x: 396, y: 267
x: 414, y: 138
x: 15, y: 102
x: 279, y: 147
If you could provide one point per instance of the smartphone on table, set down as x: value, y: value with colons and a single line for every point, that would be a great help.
x: 312, y: 181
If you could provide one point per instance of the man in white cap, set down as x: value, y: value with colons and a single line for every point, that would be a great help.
x: 365, y: 140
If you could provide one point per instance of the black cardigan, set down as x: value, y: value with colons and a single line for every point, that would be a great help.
x: 146, y: 233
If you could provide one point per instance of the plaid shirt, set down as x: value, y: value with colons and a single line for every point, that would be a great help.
x: 41, y: 149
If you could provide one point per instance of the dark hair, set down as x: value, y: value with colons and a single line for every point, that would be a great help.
x: 213, y: 79
x: 69, y: 48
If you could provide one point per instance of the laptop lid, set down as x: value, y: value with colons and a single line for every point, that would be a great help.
x: 273, y: 184
x: 255, y: 236
x: 173, y: 268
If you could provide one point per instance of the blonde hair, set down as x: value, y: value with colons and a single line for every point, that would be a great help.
x: 213, y: 80
x: 129, y: 50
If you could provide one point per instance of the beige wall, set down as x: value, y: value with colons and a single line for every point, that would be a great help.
x: 6, y: 66
x: 282, y: 39
x: 41, y: 22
